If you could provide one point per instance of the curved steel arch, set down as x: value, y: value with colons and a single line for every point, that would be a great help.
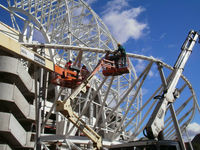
x: 75, y: 23
x: 184, y: 106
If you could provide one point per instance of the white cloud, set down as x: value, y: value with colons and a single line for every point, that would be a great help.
x: 89, y: 2
x: 193, y: 129
x: 140, y: 66
x: 171, y: 45
x: 151, y: 73
x: 145, y: 50
x: 115, y: 5
x: 163, y: 36
x: 122, y: 23
x: 144, y: 91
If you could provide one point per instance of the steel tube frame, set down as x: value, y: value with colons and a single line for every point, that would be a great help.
x: 85, y: 49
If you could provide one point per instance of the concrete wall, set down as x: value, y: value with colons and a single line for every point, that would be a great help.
x: 13, y: 132
x: 14, y: 68
x: 16, y: 112
x: 5, y: 147
x: 13, y: 99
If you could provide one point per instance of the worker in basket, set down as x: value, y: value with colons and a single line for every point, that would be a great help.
x: 84, y: 72
x: 69, y: 66
x: 120, y: 53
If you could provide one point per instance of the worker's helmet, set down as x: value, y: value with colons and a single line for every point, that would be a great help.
x: 84, y: 67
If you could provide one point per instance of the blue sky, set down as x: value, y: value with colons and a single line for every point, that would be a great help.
x: 160, y: 28
x: 167, y: 24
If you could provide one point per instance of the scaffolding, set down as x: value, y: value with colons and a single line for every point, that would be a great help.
x: 44, y: 34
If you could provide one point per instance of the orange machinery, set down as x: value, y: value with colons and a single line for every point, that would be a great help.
x: 109, y: 68
x: 65, y: 77
x: 64, y: 106
x: 68, y: 78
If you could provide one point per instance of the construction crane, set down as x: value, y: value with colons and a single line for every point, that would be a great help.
x: 65, y: 108
x: 155, y: 125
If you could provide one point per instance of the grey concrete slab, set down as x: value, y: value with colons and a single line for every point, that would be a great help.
x: 13, y: 132
x: 12, y: 100
x: 16, y: 71
x: 9, y: 31
x: 5, y: 147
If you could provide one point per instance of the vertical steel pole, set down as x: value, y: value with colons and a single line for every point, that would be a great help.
x: 46, y: 80
x: 189, y: 140
x: 36, y: 106
x: 38, y: 103
x: 177, y: 127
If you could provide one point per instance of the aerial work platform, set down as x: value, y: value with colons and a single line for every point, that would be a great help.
x: 110, y: 68
x: 70, y: 79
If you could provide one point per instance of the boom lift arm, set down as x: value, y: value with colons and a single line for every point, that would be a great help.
x: 65, y: 108
x: 109, y: 69
x: 155, y: 124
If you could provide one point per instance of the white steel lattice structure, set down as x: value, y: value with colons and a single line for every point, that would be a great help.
x: 70, y: 29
